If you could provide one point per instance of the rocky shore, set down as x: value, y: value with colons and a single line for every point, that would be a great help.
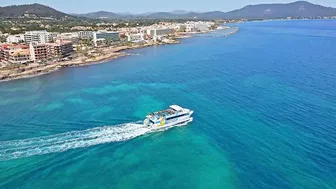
x: 35, y: 69
x: 108, y: 53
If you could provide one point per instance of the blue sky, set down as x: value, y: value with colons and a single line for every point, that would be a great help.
x: 141, y: 6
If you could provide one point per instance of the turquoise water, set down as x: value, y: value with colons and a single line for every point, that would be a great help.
x: 265, y: 114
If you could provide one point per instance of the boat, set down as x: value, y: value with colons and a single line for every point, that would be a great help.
x: 173, y: 116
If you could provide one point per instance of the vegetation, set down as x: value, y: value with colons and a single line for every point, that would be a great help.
x: 2, y: 38
x: 32, y: 10
x: 17, y: 19
x: 213, y: 27
x: 19, y: 25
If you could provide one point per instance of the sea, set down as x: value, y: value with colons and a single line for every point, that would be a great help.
x: 264, y: 102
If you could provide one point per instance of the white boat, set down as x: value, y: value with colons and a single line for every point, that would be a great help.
x: 173, y: 116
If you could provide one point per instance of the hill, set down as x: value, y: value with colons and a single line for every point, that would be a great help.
x: 266, y: 11
x: 33, y: 10
x: 102, y: 14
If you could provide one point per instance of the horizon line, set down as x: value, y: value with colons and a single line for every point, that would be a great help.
x: 139, y: 13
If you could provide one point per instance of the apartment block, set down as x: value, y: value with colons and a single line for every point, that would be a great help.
x: 19, y: 56
x: 38, y: 52
x: 14, y: 53
x: 60, y: 49
x: 155, y: 32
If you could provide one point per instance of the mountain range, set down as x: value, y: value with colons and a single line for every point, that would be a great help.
x: 260, y: 11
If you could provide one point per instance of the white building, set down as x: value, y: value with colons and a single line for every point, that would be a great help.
x: 32, y: 52
x: 159, y: 32
x: 39, y: 37
x: 138, y: 37
x: 68, y: 36
x: 15, y: 38
x: 198, y: 26
x: 85, y: 34
x: 180, y: 27
x: 108, y: 36
x: 190, y: 28
x: 202, y: 27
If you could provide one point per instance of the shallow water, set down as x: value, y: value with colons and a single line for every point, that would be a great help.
x: 265, y: 111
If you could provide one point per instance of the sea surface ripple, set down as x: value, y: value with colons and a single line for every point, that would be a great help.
x: 265, y: 113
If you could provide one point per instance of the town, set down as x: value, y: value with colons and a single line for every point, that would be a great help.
x: 43, y: 46
x: 30, y: 50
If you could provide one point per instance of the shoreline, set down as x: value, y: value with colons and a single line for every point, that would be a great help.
x: 112, y: 53
x: 38, y: 70
x: 57, y: 67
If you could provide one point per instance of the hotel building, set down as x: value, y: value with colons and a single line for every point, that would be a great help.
x: 85, y: 34
x: 107, y: 36
x: 39, y: 37
x: 159, y: 32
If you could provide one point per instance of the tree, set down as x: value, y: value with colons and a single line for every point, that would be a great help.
x: 213, y: 27
x: 2, y: 39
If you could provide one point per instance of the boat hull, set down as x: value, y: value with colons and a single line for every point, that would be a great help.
x: 179, y: 123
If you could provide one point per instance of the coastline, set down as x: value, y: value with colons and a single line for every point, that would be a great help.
x: 112, y: 53
x: 37, y: 70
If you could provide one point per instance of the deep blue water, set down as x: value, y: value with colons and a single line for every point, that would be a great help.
x: 265, y: 115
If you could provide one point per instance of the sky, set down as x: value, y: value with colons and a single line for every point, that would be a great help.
x: 143, y: 6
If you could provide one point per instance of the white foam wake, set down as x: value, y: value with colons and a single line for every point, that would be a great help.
x: 71, y: 140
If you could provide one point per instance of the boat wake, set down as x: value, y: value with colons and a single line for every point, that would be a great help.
x: 71, y: 140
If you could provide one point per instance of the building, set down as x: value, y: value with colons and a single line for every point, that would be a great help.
x: 190, y: 28
x: 135, y: 37
x: 7, y: 52
x: 107, y: 35
x: 68, y: 36
x: 38, y: 52
x: 1, y: 53
x: 39, y: 37
x: 19, y: 38
x: 180, y: 27
x: 19, y: 56
x: 81, y: 28
x: 164, y: 31
x: 202, y: 27
x: 159, y: 32
x: 85, y: 34
x: 71, y: 36
x: 60, y: 49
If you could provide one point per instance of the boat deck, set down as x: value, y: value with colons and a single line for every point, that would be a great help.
x: 163, y: 113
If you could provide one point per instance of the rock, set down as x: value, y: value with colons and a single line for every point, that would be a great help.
x: 2, y: 77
